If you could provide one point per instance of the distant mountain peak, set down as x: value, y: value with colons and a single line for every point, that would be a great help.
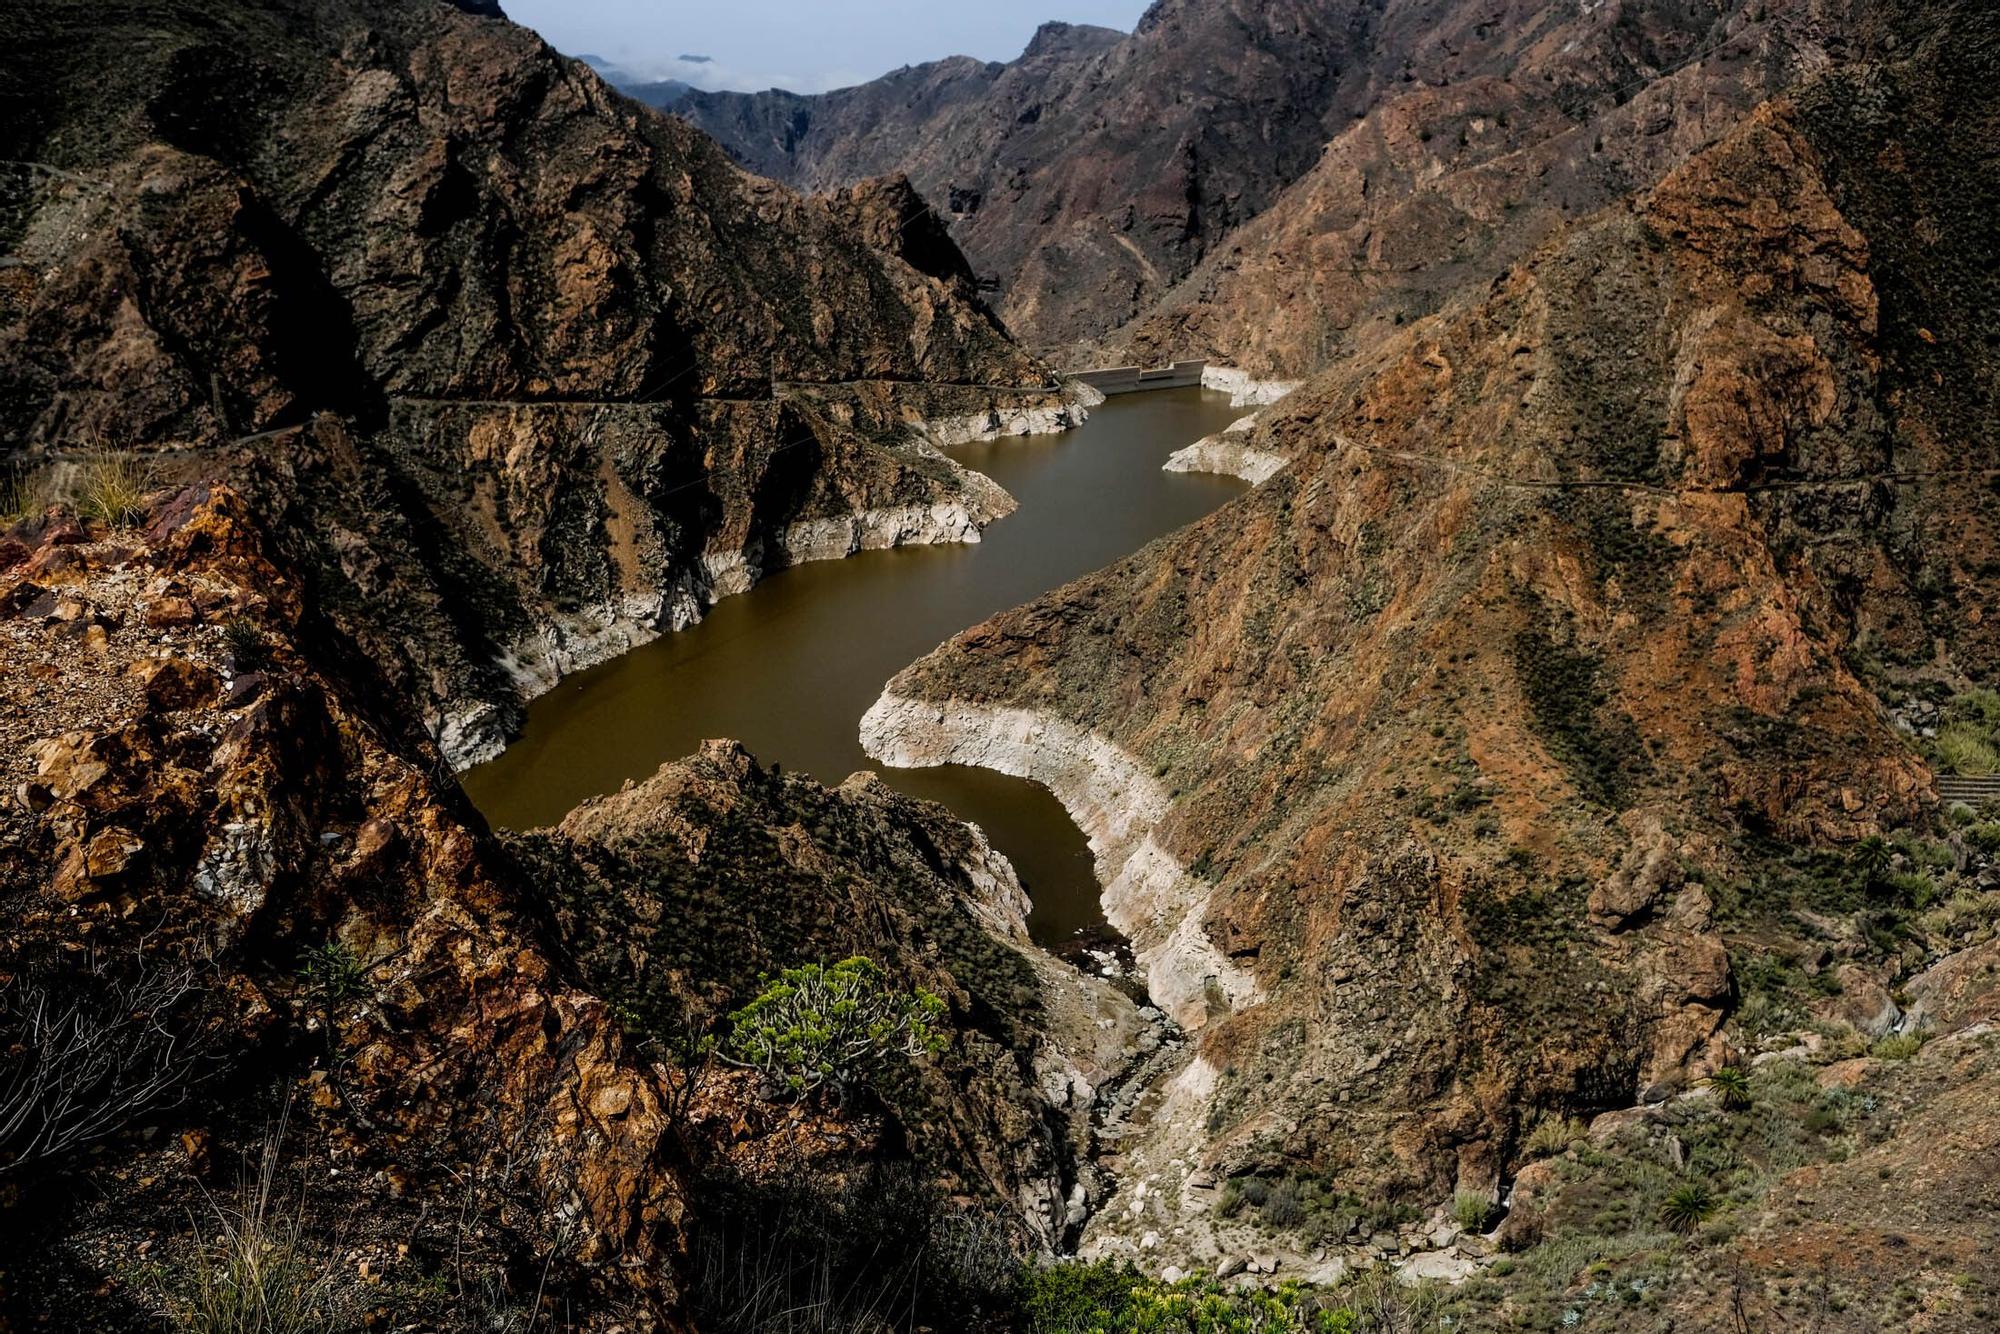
x: 1058, y: 38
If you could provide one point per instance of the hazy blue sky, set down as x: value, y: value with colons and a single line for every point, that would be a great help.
x: 806, y: 45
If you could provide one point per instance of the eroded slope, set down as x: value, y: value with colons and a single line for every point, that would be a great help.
x: 1443, y: 772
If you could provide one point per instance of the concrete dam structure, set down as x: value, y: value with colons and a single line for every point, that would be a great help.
x: 1131, y: 379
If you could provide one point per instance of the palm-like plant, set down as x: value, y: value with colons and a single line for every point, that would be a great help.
x: 1688, y: 1207
x: 1732, y: 1085
x: 1870, y: 860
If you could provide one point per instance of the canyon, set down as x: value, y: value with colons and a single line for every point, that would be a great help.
x: 1476, y: 860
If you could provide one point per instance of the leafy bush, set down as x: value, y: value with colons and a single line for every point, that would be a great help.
x: 1898, y: 1046
x: 1688, y: 1207
x: 834, y: 1029
x: 1069, y: 1298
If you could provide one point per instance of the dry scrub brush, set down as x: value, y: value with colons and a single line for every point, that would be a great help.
x: 86, y: 1049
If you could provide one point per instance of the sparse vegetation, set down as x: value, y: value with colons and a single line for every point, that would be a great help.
x: 19, y: 498
x: 1898, y: 1046
x: 881, y: 1251
x: 1116, y: 1299
x: 111, y: 488
x: 257, y: 1277
x: 248, y: 649
x: 1471, y: 1209
x: 332, y: 973
x: 86, y: 1049
x: 836, y: 1029
x: 1312, y: 1206
x: 1574, y: 711
x: 1553, y: 1135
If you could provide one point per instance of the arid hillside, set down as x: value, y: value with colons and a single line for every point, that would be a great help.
x: 1479, y: 765
x: 248, y: 932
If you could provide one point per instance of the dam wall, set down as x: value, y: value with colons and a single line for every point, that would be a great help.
x: 1131, y: 379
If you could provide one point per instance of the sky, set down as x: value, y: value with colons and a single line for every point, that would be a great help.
x: 807, y: 46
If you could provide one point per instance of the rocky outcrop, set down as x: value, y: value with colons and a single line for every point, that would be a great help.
x: 676, y: 922
x: 1244, y: 389
x: 1227, y: 453
x: 206, y: 803
x: 523, y: 372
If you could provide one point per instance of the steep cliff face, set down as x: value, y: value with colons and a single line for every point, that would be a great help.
x: 228, y: 890
x: 539, y: 371
x: 1441, y: 773
x: 1391, y: 152
x: 1445, y: 180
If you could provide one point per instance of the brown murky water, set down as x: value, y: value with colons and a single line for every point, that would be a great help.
x: 789, y: 667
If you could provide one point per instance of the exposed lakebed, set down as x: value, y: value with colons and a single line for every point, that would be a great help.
x: 789, y: 667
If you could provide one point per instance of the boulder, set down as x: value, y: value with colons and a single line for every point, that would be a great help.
x: 1862, y: 1003
x: 1649, y: 869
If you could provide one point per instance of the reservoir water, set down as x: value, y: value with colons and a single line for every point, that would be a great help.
x: 789, y: 667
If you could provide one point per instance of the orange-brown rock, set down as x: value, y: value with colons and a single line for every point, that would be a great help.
x: 166, y: 827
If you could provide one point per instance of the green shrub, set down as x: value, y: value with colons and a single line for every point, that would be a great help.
x: 1898, y: 1046
x: 1472, y: 1208
x: 1553, y: 1135
x: 1075, y: 1298
x: 834, y: 1029
x: 1966, y: 748
x: 1688, y: 1207
x: 332, y: 973
x: 1285, y: 1205
x: 248, y: 649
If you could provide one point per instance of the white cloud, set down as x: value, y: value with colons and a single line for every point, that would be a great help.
x: 719, y: 76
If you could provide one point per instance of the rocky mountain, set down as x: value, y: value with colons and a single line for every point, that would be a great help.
x: 237, y: 907
x: 536, y: 373
x: 1394, y: 150
x: 1477, y: 764
x: 1522, y: 804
